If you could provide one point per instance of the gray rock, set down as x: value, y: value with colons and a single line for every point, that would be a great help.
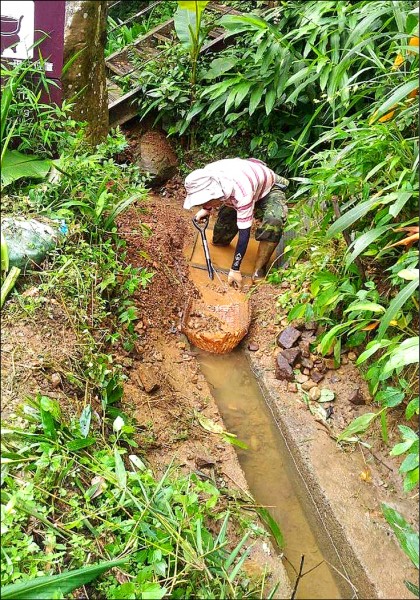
x: 301, y: 378
x: 288, y: 337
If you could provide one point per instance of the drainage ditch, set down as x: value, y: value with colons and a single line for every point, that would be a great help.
x: 269, y: 472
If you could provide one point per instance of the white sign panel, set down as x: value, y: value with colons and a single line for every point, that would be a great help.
x: 17, y: 29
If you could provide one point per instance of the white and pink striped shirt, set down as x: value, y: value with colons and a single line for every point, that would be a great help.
x: 251, y: 179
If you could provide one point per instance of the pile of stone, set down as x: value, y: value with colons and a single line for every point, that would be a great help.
x: 297, y: 365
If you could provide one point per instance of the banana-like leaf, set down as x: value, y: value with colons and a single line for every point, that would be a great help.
x: 51, y: 585
x: 16, y: 166
x: 187, y: 20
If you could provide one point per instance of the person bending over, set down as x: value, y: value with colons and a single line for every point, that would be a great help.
x: 241, y: 189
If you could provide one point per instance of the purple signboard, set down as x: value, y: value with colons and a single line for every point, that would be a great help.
x: 23, y: 24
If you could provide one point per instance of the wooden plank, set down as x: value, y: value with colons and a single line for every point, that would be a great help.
x: 143, y: 11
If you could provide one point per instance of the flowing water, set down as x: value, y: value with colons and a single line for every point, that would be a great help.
x: 271, y: 477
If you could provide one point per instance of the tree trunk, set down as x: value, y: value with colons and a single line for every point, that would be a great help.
x: 85, y: 35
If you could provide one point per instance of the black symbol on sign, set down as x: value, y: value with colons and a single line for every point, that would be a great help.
x: 10, y: 27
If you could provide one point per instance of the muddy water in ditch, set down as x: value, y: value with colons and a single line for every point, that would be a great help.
x: 267, y: 468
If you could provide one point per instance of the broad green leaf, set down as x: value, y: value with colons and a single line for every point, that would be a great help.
x: 396, y: 304
x: 401, y: 448
x: 326, y: 395
x: 120, y: 471
x: 361, y: 306
x: 328, y: 338
x: 51, y: 585
x: 409, y: 463
x: 270, y: 99
x: 16, y: 166
x: 84, y: 421
x: 405, y: 354
x: 371, y: 348
x: 407, y: 537
x: 187, y: 20
x: 4, y: 255
x: 255, y: 98
x: 241, y: 92
x: 357, y: 426
x: 75, y: 445
x: 390, y: 397
x: 218, y: 66
x: 412, y: 408
x: 409, y: 274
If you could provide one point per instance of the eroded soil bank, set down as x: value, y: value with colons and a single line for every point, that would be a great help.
x: 166, y: 388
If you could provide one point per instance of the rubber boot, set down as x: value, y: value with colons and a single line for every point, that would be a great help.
x: 265, y: 250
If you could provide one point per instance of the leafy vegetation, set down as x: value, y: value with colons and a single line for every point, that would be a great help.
x: 77, y: 491
x: 101, y: 507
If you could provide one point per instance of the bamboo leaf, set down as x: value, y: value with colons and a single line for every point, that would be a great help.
x: 50, y: 586
x: 396, y: 304
x: 360, y: 306
x: 364, y: 241
x: 399, y: 94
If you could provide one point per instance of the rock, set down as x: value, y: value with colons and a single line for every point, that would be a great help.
x: 307, y: 363
x: 157, y: 157
x: 317, y: 376
x: 352, y: 356
x: 301, y: 378
x: 55, y: 380
x: 292, y: 387
x: 204, y: 461
x: 308, y: 385
x: 291, y: 355
x: 344, y: 360
x: 253, y: 347
x: 335, y: 379
x: 127, y: 362
x: 304, y: 346
x: 314, y: 394
x: 288, y: 337
x: 285, y: 285
x: 330, y: 363
x: 283, y: 369
x: 298, y: 366
x: 356, y: 397
x: 306, y: 372
x: 311, y: 326
x: 148, y: 378
x: 319, y: 365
